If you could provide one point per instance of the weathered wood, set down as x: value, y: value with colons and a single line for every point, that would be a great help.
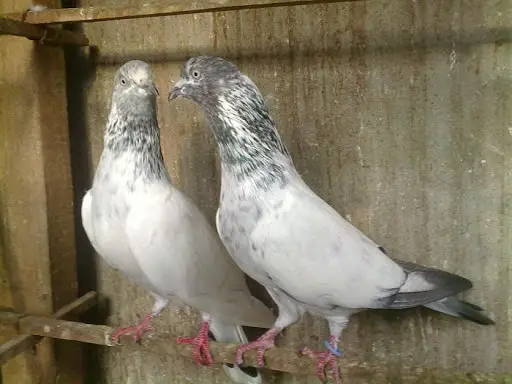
x: 66, y: 330
x: 17, y: 370
x: 21, y: 343
x: 15, y: 346
x: 46, y: 35
x: 24, y: 342
x: 9, y: 317
x: 36, y: 205
x: 182, y: 7
x: 278, y: 359
x: 78, y: 306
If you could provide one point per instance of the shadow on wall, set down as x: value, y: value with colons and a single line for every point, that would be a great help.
x: 77, y: 75
x: 386, y: 43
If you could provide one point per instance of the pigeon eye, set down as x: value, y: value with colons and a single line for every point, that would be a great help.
x: 195, y: 74
x: 123, y: 81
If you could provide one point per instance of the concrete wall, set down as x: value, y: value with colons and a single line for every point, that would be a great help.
x: 396, y: 112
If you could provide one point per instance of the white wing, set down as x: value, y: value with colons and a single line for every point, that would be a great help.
x: 181, y: 255
x: 109, y: 240
x: 320, y: 259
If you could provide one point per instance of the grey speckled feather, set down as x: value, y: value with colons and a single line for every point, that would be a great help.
x: 143, y: 226
x: 286, y: 237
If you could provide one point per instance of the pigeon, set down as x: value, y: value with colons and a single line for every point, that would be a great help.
x: 143, y: 226
x: 279, y: 232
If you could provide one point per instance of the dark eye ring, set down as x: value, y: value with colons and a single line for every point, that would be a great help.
x: 123, y: 81
x: 195, y: 74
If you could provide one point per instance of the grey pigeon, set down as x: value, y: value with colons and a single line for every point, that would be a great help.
x: 309, y: 258
x: 149, y: 230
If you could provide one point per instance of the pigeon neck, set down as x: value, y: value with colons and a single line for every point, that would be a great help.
x: 138, y: 135
x: 249, y: 145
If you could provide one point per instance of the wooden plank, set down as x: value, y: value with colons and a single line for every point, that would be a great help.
x: 66, y: 330
x: 183, y: 7
x: 278, y: 359
x: 78, y: 306
x: 36, y: 203
x: 22, y: 343
x: 9, y: 318
x: 16, y: 370
x: 16, y: 346
x: 50, y: 36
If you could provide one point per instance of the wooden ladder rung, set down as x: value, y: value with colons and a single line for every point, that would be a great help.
x: 23, y: 322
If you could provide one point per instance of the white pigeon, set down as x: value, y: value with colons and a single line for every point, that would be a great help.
x: 309, y: 258
x: 149, y: 230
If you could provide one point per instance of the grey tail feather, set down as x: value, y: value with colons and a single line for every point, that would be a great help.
x: 438, y: 285
x: 449, y: 305
x: 230, y: 333
x: 459, y: 308
x: 474, y: 306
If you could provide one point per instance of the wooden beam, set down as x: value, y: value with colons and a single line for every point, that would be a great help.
x: 46, y: 35
x: 8, y: 317
x: 15, y: 346
x: 278, y: 359
x: 181, y: 7
x: 18, y: 370
x: 36, y: 198
x: 22, y: 343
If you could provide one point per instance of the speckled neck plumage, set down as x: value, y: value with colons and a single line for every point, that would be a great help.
x: 138, y: 134
x: 249, y: 144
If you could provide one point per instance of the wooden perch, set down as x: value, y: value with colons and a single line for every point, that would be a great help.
x: 182, y: 7
x: 23, y: 342
x: 278, y: 359
x: 50, y: 36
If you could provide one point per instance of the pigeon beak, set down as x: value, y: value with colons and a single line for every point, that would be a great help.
x: 177, y: 90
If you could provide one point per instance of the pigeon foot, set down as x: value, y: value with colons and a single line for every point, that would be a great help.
x: 137, y: 330
x: 201, y: 342
x: 266, y: 341
x: 324, y: 359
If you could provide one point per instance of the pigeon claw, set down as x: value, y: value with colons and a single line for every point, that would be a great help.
x: 266, y: 341
x: 325, y: 359
x: 201, y: 354
x: 136, y: 330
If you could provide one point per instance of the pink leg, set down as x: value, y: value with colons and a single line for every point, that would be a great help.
x: 201, y: 342
x: 324, y: 359
x: 263, y: 343
x: 136, y: 330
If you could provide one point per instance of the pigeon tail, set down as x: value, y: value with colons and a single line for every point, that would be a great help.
x: 458, y: 308
x: 436, y: 283
x: 425, y: 285
x: 230, y: 333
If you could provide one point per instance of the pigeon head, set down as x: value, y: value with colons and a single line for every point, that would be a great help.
x: 236, y: 113
x: 204, y: 78
x: 132, y: 123
x: 233, y: 105
x: 133, y: 83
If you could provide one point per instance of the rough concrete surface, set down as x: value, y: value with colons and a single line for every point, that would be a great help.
x: 397, y: 113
